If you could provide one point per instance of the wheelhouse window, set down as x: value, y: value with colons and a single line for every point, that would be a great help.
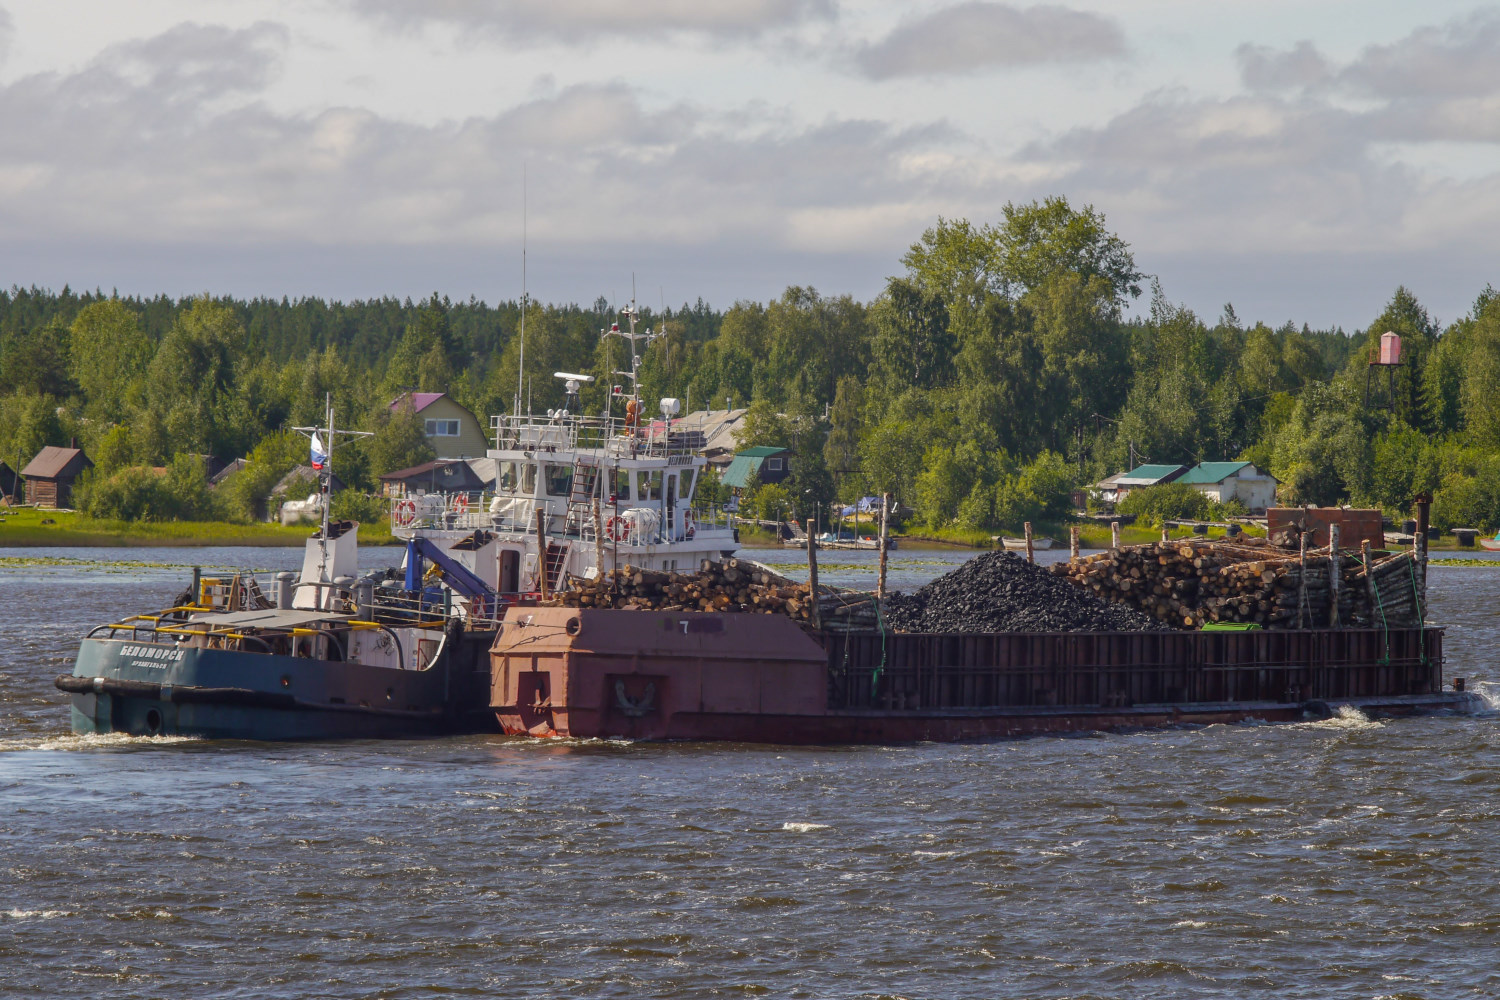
x: 559, y: 479
x: 509, y: 477
x: 620, y: 486
x: 648, y: 485
x: 442, y: 428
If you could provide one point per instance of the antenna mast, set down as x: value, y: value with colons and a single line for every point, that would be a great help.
x: 521, y: 365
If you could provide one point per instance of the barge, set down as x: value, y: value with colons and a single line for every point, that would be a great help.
x: 763, y: 678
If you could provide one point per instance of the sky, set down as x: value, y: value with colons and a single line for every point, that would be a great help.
x: 1298, y: 160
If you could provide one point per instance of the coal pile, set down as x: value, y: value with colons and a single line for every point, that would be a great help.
x: 1001, y: 592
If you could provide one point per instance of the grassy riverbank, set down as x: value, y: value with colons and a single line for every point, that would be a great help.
x: 24, y: 527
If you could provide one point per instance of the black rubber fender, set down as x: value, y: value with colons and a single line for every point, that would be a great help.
x: 1316, y: 709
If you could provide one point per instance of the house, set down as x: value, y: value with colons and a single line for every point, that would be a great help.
x: 1225, y: 481
x: 218, y: 478
x: 718, y: 428
x: 439, y: 476
x: 451, y: 429
x: 768, y: 465
x: 1108, y: 489
x: 49, y: 476
x: 1146, y: 475
x: 10, y: 484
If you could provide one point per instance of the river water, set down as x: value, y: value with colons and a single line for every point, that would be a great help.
x: 1346, y: 858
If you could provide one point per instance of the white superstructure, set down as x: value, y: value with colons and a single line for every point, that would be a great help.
x: 576, y: 495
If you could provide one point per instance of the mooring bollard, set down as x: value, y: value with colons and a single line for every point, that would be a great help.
x: 885, y: 507
x: 1030, y: 554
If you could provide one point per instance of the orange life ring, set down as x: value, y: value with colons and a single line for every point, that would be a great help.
x: 406, y: 513
x: 460, y: 504
x: 617, y: 529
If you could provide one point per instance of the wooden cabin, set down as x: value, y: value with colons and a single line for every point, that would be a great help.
x: 49, y: 476
x: 438, y: 476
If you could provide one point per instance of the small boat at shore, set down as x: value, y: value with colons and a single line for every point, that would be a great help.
x: 1490, y: 544
x: 1019, y: 544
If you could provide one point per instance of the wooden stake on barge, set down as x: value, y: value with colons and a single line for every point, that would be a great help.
x: 1333, y: 576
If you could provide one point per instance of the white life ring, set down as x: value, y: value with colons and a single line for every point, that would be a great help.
x: 406, y: 513
x: 459, y: 504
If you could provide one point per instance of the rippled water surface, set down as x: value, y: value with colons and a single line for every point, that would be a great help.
x: 1345, y: 858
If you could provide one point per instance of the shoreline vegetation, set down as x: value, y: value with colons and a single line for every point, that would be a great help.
x: 22, y: 527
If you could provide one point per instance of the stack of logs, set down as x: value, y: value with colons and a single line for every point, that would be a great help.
x: 1191, y: 582
x: 731, y: 585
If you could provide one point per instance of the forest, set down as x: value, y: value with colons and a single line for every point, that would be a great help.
x: 998, y: 370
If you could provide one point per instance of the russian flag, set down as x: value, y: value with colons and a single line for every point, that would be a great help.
x: 319, y: 457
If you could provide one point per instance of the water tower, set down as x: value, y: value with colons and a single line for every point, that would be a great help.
x: 1387, y: 356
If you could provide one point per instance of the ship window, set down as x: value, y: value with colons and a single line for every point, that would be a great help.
x: 648, y: 485
x: 442, y: 428
x: 689, y: 476
x: 509, y: 477
x: 559, y: 480
x: 528, y: 480
x: 621, y: 485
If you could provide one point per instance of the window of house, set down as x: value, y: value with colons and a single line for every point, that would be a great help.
x: 559, y: 480
x: 773, y: 465
x: 442, y: 428
x: 648, y: 485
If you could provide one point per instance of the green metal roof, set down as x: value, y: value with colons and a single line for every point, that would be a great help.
x: 1208, y: 473
x: 747, y: 463
x: 1151, y: 472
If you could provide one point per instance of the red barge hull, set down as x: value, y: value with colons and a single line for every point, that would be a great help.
x: 656, y: 675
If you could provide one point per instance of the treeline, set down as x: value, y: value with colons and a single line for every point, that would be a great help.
x: 994, y: 374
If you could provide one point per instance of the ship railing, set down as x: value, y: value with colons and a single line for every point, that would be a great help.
x: 477, y: 614
x: 180, y: 630
x: 612, y: 436
x: 489, y: 511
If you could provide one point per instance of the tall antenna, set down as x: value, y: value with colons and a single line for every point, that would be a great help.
x: 521, y: 364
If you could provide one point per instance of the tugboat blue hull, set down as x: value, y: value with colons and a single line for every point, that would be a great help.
x: 164, y: 688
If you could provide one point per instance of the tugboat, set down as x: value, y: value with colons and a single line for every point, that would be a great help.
x: 329, y: 657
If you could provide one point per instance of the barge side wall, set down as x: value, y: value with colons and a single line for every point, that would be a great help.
x: 706, y: 676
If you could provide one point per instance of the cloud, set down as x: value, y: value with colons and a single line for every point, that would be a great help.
x: 1265, y: 69
x: 164, y: 141
x: 1263, y: 174
x: 195, y: 61
x: 572, y: 20
x: 1458, y: 59
x: 976, y: 36
x: 7, y: 32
